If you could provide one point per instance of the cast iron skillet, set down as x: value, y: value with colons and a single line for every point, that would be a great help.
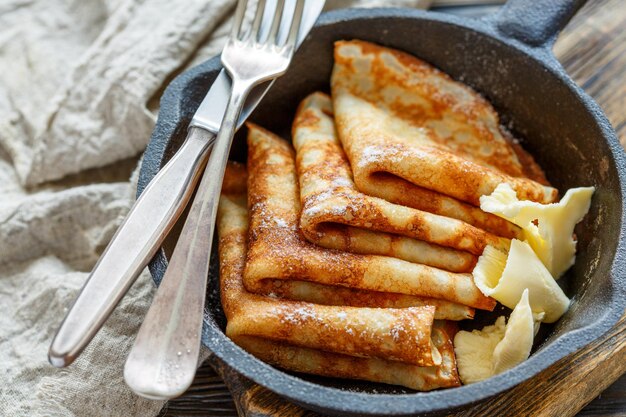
x: 506, y: 57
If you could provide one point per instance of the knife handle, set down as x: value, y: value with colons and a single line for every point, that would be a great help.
x: 134, y: 244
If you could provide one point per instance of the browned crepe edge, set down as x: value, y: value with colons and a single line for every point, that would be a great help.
x: 390, y: 334
x: 278, y: 251
x: 452, y: 175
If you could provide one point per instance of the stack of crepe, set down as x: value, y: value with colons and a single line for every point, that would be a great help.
x: 348, y: 255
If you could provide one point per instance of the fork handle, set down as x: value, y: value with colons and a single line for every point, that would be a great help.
x: 135, y: 243
x: 164, y: 358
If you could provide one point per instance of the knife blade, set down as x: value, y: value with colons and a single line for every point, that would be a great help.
x: 153, y: 215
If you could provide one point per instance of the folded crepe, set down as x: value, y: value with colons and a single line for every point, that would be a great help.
x: 336, y: 215
x: 335, y: 365
x: 395, y: 346
x: 278, y: 254
x: 417, y: 138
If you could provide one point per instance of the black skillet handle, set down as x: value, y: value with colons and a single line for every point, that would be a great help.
x: 535, y: 22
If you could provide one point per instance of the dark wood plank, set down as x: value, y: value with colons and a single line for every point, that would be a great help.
x: 612, y: 401
x: 593, y: 50
x: 566, y: 387
x: 207, y: 396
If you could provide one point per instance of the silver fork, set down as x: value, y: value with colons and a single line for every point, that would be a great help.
x: 163, y: 360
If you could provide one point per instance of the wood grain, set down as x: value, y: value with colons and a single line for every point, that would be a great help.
x: 567, y: 386
x: 593, y: 50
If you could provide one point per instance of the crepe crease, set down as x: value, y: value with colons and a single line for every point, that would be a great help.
x: 338, y: 341
x: 336, y: 215
x: 278, y: 252
x: 347, y: 254
x: 415, y: 137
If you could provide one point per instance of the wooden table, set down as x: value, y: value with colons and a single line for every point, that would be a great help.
x: 593, y: 50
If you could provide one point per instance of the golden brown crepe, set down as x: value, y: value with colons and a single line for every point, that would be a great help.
x: 279, y: 254
x: 381, y: 345
x: 342, y: 258
x: 336, y: 215
x: 417, y: 138
x: 344, y: 296
x: 370, y: 369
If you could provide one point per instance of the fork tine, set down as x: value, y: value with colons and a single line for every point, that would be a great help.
x: 272, y: 37
x: 295, y: 24
x: 256, y: 24
x: 235, y: 31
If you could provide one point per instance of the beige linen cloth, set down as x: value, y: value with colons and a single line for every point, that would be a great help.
x: 79, y: 89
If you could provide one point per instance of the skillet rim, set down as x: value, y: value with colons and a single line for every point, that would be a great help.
x: 327, y: 399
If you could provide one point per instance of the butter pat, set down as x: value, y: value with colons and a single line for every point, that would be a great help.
x: 552, y: 237
x: 515, y: 347
x: 481, y: 354
x: 506, y: 277
x: 474, y: 351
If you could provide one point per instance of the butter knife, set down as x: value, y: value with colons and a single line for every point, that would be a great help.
x: 153, y: 215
